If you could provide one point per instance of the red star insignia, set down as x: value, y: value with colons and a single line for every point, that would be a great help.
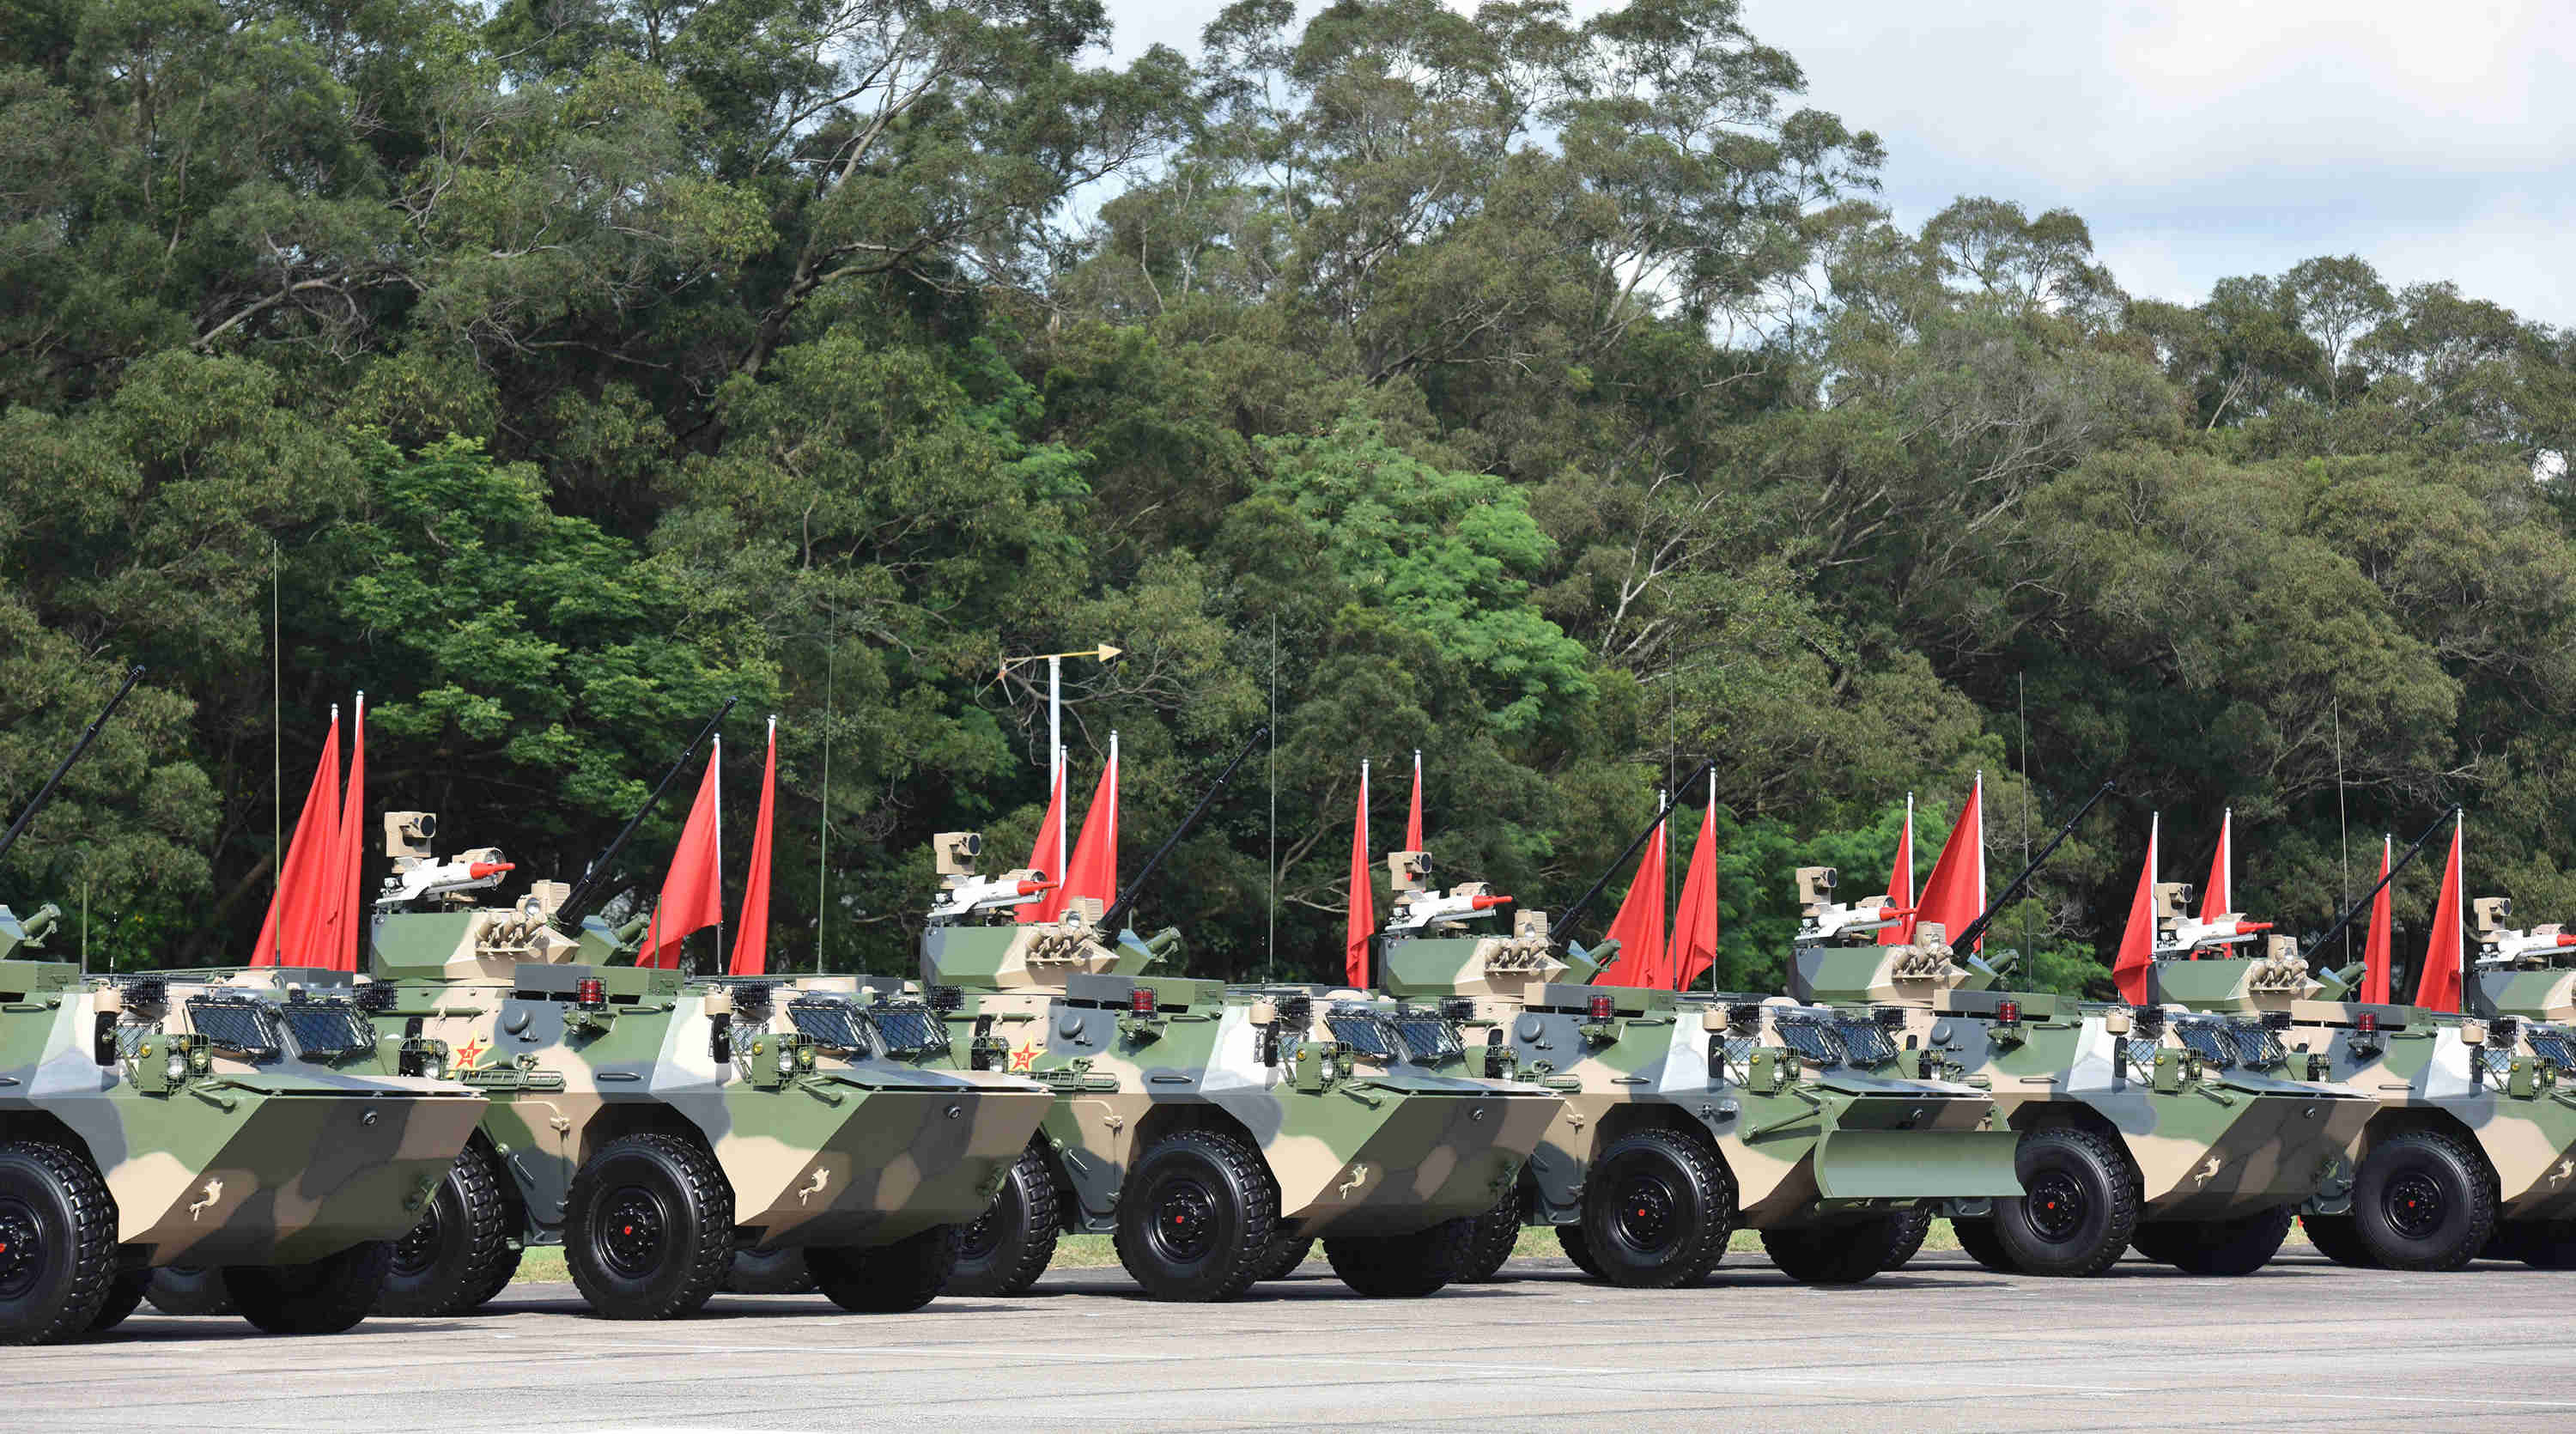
x: 1023, y: 1054
x: 472, y: 1051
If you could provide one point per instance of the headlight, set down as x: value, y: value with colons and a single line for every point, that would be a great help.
x: 202, y: 1057
x: 177, y: 1069
x: 804, y: 1058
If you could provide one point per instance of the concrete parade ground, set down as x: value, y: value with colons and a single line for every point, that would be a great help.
x: 1941, y: 1345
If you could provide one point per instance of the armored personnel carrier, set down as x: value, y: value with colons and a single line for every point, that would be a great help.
x: 1687, y: 1116
x: 242, y: 1128
x: 1214, y: 1131
x: 2471, y: 1146
x: 647, y: 1121
x: 2187, y: 1135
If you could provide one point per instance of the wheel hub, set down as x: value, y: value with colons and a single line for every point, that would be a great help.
x: 633, y: 1231
x: 22, y: 1249
x: 1185, y: 1218
x: 417, y: 1250
x: 2415, y: 1205
x: 985, y: 1235
x: 2057, y: 1207
x: 1645, y: 1214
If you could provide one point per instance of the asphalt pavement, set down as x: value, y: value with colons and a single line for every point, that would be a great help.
x: 1941, y: 1345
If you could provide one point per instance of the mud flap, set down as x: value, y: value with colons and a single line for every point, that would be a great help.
x: 1916, y: 1164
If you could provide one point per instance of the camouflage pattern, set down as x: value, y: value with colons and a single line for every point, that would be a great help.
x: 2211, y: 1139
x: 1363, y: 1130
x: 1815, y: 1115
x: 2490, y: 1077
x: 826, y: 1137
x: 279, y: 1155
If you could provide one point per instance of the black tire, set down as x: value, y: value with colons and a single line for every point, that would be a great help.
x: 1403, y: 1267
x: 2424, y: 1201
x: 2227, y: 1247
x: 1005, y: 1251
x: 1285, y: 1257
x: 324, y: 1297
x: 1578, y: 1249
x: 1913, y: 1227
x: 1844, y: 1253
x: 2080, y: 1209
x: 1977, y: 1237
x: 189, y: 1290
x: 123, y: 1294
x: 1196, y: 1217
x: 1658, y: 1206
x: 2338, y: 1239
x: 888, y: 1279
x: 57, y: 1243
x: 1498, y: 1231
x: 444, y: 1265
x: 2163, y: 1241
x: 648, y: 1228
x: 769, y: 1272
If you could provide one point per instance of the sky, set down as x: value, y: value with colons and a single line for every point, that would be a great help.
x: 2201, y: 138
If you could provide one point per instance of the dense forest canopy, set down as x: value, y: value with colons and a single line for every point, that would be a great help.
x: 1546, y: 394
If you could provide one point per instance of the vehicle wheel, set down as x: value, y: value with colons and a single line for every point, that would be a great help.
x: 1578, y: 1249
x: 1656, y: 1204
x: 1913, y: 1227
x: 189, y: 1290
x: 769, y: 1272
x: 1844, y: 1253
x: 648, y: 1228
x: 1403, y: 1266
x: 1498, y: 1230
x: 2231, y: 1247
x: 2080, y: 1209
x: 2162, y: 1241
x: 1196, y: 1217
x: 325, y: 1296
x: 2542, y: 1244
x: 445, y: 1264
x: 57, y: 1243
x: 123, y: 1294
x: 2338, y: 1238
x: 2424, y: 1201
x: 1006, y: 1250
x: 888, y: 1279
x: 1284, y: 1258
x: 1978, y: 1238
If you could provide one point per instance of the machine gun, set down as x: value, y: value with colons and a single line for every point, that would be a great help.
x: 418, y: 875
x: 1116, y: 915
x: 963, y: 893
x: 45, y: 793
x: 1821, y: 918
x: 1418, y: 904
x: 2500, y: 945
x: 587, y: 891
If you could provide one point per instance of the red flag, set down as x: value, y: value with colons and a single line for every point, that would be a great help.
x: 1900, y: 883
x: 693, y: 893
x: 751, y: 934
x: 1413, y: 821
x: 288, y: 936
x: 2375, y: 948
x: 2138, y: 942
x: 1639, y: 930
x: 2218, y: 898
x: 1955, y: 893
x: 348, y: 925
x: 1046, y: 857
x: 1695, y: 920
x: 2438, y: 988
x: 1093, y: 868
x: 1362, y: 922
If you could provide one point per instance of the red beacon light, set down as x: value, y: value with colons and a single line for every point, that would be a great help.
x: 1602, y: 1008
x: 1140, y: 1000
x: 590, y: 993
x: 2367, y: 1023
x: 2008, y: 1011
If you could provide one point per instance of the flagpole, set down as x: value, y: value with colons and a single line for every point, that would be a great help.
x: 715, y: 764
x: 1707, y: 820
x: 1055, y: 750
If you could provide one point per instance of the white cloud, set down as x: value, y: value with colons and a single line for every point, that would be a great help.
x: 2201, y: 138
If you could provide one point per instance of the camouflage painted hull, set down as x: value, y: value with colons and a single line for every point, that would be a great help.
x: 1418, y: 1157
x: 2203, y: 1161
x: 908, y: 1159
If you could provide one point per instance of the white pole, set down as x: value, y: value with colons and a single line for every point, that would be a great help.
x: 715, y: 763
x: 1055, y: 754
